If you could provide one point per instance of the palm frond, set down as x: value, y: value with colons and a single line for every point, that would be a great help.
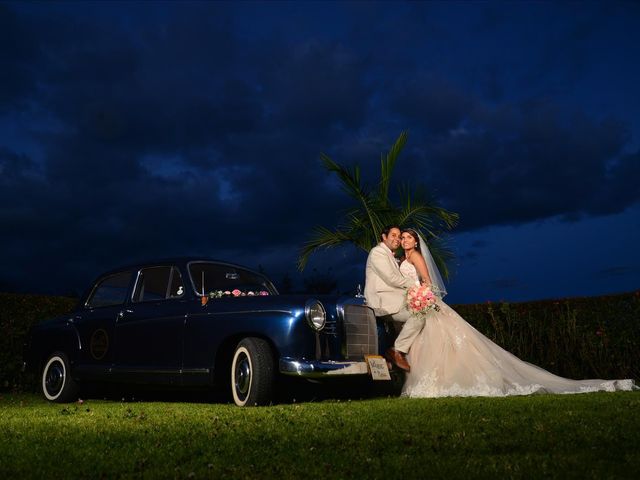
x: 363, y: 222
x: 421, y: 211
x: 349, y: 179
x: 322, y: 238
x: 387, y: 164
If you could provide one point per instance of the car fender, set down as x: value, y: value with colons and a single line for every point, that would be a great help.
x: 48, y: 338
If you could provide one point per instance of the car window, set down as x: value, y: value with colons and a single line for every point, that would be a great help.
x: 176, y: 288
x: 111, y: 290
x: 158, y: 283
x: 220, y: 278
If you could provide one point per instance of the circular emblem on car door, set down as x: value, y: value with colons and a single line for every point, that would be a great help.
x: 99, y: 344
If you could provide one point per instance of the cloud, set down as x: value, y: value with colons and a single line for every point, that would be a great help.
x: 196, y: 129
x: 433, y: 103
x: 617, y: 271
x: 506, y: 283
x: 526, y: 162
x: 18, y: 52
x: 318, y: 86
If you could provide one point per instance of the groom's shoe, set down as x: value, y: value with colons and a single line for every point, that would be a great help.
x: 398, y: 359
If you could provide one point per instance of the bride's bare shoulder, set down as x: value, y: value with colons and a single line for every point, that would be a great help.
x: 417, y: 259
x: 416, y: 256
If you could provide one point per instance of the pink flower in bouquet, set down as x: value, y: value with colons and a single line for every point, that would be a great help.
x: 420, y: 299
x: 236, y: 292
x: 264, y: 293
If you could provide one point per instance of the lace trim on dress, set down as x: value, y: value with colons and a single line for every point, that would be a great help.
x: 428, y: 387
x: 453, y: 359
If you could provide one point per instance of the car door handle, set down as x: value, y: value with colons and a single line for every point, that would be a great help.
x: 122, y: 312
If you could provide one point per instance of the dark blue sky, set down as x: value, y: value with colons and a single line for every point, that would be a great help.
x: 141, y: 130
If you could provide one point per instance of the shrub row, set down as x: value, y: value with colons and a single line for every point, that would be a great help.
x: 593, y: 337
x: 17, y: 313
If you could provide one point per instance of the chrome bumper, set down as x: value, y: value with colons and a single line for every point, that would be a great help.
x: 320, y: 369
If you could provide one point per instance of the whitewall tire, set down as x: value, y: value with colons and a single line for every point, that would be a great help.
x: 56, y: 382
x: 252, y: 373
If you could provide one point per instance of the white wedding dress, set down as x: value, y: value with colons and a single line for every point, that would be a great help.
x: 450, y: 358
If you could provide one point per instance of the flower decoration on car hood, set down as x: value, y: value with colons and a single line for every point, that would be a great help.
x: 237, y: 293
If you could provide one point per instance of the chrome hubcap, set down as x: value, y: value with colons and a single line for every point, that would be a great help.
x: 55, y: 378
x: 242, y: 376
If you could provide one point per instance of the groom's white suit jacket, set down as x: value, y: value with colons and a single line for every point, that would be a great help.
x: 385, y: 287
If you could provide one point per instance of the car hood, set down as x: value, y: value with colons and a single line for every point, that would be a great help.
x: 62, y: 319
x: 288, y: 303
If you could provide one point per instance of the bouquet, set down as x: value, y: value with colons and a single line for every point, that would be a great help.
x: 420, y: 299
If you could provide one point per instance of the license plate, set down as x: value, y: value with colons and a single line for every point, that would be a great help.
x: 378, y: 368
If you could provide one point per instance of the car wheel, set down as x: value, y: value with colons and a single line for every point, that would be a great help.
x: 252, y: 373
x: 57, y: 384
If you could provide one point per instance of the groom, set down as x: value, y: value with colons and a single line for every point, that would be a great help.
x: 385, y: 290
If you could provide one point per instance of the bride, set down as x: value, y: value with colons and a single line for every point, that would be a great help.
x: 451, y: 358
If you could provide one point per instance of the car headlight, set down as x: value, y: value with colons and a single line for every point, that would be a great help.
x: 315, y: 314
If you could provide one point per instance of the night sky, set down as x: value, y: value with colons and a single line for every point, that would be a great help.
x: 142, y: 130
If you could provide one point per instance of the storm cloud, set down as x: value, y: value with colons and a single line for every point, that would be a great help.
x: 141, y: 130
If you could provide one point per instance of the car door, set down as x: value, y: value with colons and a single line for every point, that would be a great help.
x: 96, y: 325
x: 150, y: 329
x: 207, y: 327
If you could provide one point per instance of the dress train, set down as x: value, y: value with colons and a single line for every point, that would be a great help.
x: 450, y: 358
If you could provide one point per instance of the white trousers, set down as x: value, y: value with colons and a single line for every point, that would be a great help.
x: 410, y: 326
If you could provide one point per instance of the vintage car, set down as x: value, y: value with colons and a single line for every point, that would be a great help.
x: 199, y: 323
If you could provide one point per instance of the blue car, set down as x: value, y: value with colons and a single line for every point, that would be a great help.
x: 199, y: 323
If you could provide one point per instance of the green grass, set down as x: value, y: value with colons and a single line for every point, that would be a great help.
x: 578, y: 436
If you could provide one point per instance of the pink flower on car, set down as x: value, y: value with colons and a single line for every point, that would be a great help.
x: 236, y: 293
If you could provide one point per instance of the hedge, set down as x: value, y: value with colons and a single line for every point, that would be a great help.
x: 17, y: 313
x: 592, y: 337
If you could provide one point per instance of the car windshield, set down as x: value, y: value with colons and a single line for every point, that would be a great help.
x: 111, y: 290
x: 225, y: 280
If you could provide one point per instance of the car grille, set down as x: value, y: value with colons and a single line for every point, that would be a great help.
x: 360, y: 331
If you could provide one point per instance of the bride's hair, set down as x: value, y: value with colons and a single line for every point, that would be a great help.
x: 437, y: 285
x: 415, y: 236
x: 402, y: 256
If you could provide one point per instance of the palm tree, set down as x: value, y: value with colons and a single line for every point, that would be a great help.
x: 373, y: 210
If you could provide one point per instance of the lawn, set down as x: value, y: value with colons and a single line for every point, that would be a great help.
x: 558, y: 436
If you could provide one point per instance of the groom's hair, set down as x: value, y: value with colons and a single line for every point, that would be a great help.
x: 387, y: 229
